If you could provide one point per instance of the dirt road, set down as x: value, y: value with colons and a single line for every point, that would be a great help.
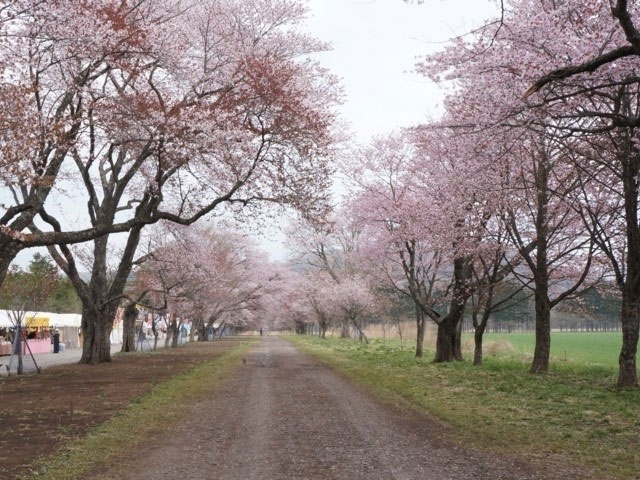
x: 40, y: 413
x: 283, y: 416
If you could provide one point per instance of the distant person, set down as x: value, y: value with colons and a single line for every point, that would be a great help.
x: 261, y: 332
x: 56, y: 341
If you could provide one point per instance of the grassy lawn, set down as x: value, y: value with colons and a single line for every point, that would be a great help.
x: 574, y: 411
x: 600, y: 348
x: 162, y: 407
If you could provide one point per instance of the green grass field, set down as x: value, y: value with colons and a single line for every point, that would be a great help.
x: 573, y: 414
x: 596, y: 348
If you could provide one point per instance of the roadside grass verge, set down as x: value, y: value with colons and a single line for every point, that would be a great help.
x: 162, y: 407
x: 574, y: 411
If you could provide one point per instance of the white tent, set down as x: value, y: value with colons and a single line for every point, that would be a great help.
x: 58, y: 320
x: 67, y: 323
x: 5, y: 321
x: 65, y: 319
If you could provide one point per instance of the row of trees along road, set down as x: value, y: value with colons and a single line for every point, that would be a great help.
x: 551, y: 89
x: 156, y: 110
x: 170, y: 111
x: 530, y: 175
x: 208, y: 277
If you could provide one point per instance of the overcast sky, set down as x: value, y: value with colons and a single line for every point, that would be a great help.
x: 375, y: 45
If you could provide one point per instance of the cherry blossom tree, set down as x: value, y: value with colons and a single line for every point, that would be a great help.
x: 328, y: 247
x: 353, y: 298
x: 316, y: 290
x: 237, y: 120
x: 209, y: 277
x: 573, y: 61
x: 387, y: 207
x: 494, y: 287
x: 59, y: 63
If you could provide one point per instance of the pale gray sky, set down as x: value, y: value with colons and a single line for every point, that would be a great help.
x: 375, y: 45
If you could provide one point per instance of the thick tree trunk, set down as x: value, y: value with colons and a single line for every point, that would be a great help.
x: 154, y: 330
x: 421, y: 325
x: 96, y: 330
x: 627, y: 375
x: 448, y: 341
x: 449, y: 338
x: 129, y: 328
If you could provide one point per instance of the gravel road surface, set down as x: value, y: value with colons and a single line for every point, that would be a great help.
x: 284, y: 416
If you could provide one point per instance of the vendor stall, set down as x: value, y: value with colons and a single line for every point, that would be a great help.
x: 39, y: 346
x: 38, y: 328
x: 69, y: 326
x: 6, y: 333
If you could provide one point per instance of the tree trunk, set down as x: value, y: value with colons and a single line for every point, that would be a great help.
x: 323, y: 329
x: 8, y: 252
x: 399, y: 330
x: 627, y: 375
x: 192, y: 332
x: 344, y: 331
x: 479, y: 328
x: 19, y: 340
x: 154, y: 330
x: 222, y: 328
x: 448, y: 341
x: 202, y: 332
x: 477, y: 351
x: 96, y: 330
x: 129, y: 328
x: 421, y: 327
x: 176, y: 334
x: 542, y: 350
x: 361, y: 336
